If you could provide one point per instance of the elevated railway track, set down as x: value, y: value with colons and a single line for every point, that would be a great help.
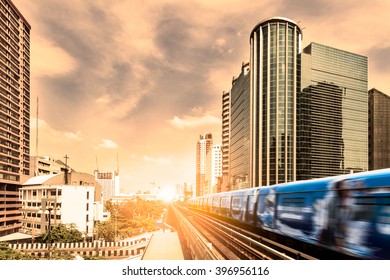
x: 230, y: 242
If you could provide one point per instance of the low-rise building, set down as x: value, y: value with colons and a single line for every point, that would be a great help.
x: 48, y: 201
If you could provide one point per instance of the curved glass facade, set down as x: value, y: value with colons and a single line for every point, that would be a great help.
x: 275, y: 82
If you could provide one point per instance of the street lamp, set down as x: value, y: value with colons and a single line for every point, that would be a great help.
x: 47, y: 211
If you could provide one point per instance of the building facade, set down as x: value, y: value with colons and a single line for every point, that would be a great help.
x: 203, y: 146
x: 79, y: 202
x: 275, y: 45
x: 213, y: 170
x: 14, y: 112
x: 379, y: 129
x: 225, y: 140
x: 109, y: 182
x: 240, y: 130
x: 333, y: 113
x: 46, y: 165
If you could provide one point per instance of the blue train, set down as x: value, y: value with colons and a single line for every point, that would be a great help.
x: 348, y: 213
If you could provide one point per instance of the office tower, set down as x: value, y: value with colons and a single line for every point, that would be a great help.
x: 203, y: 146
x: 14, y: 112
x: 225, y: 140
x: 332, y: 113
x: 239, y: 131
x: 379, y: 129
x: 274, y: 84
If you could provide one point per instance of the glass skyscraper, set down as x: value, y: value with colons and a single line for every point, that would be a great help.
x: 275, y: 46
x: 239, y: 130
x: 379, y: 129
x: 332, y: 113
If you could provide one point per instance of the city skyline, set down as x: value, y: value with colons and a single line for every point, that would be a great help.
x: 142, y: 80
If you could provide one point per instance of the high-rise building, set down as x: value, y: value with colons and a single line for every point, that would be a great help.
x: 14, y: 112
x: 213, y: 169
x: 109, y: 182
x: 379, y: 129
x: 239, y: 131
x: 225, y: 140
x: 332, y: 113
x: 203, y: 146
x: 275, y: 45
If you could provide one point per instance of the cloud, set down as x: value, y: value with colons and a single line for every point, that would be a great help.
x: 380, y: 57
x: 74, y: 135
x: 151, y: 71
x: 46, y: 131
x: 107, y: 144
x: 52, y: 60
x: 189, y: 121
x: 159, y: 160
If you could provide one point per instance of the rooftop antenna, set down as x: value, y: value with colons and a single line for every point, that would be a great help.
x: 97, y: 165
x: 117, y: 162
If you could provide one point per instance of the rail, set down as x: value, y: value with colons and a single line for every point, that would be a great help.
x: 235, y: 243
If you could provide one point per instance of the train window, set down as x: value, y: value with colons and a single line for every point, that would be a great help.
x: 364, y: 209
x: 384, y: 201
x: 293, y: 201
x: 236, y: 202
x: 251, y: 203
x: 365, y: 200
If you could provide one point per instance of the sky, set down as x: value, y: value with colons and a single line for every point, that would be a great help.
x: 133, y: 83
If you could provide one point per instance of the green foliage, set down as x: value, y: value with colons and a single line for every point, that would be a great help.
x: 88, y: 258
x: 56, y: 254
x: 7, y: 253
x: 64, y: 234
x: 130, y: 219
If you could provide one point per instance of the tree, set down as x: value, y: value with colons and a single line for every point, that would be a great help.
x: 129, y: 219
x: 64, y: 234
x: 7, y: 253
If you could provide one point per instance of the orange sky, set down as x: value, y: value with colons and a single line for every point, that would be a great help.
x: 141, y: 80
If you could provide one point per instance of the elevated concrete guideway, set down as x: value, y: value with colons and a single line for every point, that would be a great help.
x: 164, y: 246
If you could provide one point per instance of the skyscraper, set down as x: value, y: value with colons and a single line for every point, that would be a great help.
x: 203, y: 146
x: 225, y: 140
x: 213, y: 169
x: 14, y: 112
x: 239, y: 131
x: 275, y: 46
x: 379, y: 129
x: 333, y: 113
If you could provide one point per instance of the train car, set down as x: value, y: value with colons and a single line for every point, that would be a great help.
x: 349, y: 213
